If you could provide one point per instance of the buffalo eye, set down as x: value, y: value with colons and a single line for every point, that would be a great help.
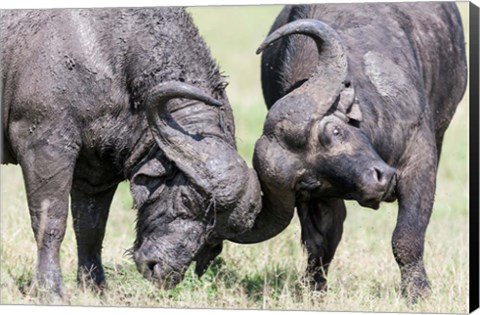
x: 186, y: 201
x: 184, y: 208
x: 331, y: 134
x: 336, y: 131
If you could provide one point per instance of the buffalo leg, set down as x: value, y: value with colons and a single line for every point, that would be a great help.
x: 415, y: 190
x: 322, y: 227
x: 90, y: 213
x: 48, y: 172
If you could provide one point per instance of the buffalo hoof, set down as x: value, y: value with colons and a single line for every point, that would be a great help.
x: 48, y: 294
x: 315, y: 282
x: 94, y: 281
x: 415, y: 290
x: 319, y: 284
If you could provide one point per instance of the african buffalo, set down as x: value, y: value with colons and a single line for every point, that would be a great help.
x: 91, y: 97
x: 358, y: 106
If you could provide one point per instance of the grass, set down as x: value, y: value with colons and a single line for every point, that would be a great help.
x: 363, y: 275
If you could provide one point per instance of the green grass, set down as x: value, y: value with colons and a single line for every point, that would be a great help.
x: 363, y: 275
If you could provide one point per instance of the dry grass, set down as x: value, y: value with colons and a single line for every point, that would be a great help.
x: 363, y: 276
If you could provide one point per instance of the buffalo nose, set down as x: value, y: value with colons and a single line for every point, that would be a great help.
x: 149, y: 267
x: 379, y: 176
x: 163, y: 275
x: 377, y: 184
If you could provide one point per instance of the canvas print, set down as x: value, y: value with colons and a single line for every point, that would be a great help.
x: 297, y: 157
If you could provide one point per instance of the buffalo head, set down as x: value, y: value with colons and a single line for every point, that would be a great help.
x: 191, y: 192
x: 312, y: 144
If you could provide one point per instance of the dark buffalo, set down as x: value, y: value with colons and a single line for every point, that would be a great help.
x: 358, y: 106
x: 93, y: 97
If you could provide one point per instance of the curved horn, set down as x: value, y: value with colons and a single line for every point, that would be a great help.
x: 327, y: 39
x: 330, y: 48
x: 275, y: 216
x: 278, y: 200
x: 175, y: 143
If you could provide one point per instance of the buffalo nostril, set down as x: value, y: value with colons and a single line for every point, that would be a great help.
x: 152, y: 270
x: 378, y: 175
x: 151, y: 265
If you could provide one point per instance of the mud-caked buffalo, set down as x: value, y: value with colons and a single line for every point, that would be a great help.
x: 359, y: 98
x: 91, y: 97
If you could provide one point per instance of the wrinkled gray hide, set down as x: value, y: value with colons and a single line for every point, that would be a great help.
x: 93, y: 97
x: 359, y: 98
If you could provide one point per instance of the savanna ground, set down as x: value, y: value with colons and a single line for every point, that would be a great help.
x: 363, y: 275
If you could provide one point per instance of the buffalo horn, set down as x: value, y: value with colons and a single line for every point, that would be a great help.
x: 332, y: 68
x: 177, y: 145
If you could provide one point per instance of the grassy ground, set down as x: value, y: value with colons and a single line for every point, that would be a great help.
x: 363, y: 276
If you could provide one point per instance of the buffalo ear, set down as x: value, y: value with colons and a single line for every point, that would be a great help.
x: 354, y: 112
x: 347, y: 104
x: 347, y: 97
x: 146, y: 181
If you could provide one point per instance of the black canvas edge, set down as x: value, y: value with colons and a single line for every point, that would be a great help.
x: 474, y: 158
